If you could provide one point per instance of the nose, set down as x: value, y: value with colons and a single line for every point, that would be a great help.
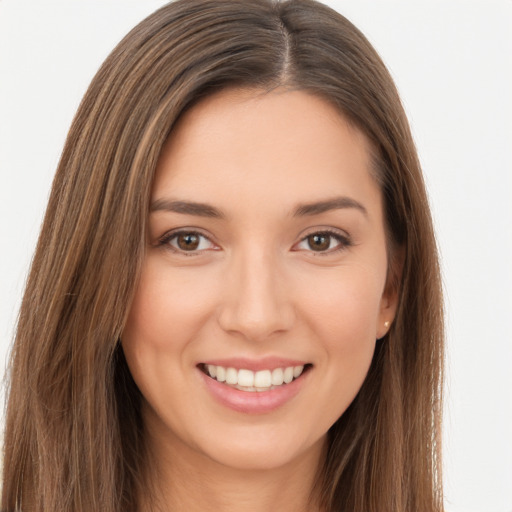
x: 257, y: 302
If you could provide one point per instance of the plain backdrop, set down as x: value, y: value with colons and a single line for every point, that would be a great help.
x: 452, y: 62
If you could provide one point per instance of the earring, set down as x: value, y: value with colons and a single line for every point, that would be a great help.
x: 387, y: 323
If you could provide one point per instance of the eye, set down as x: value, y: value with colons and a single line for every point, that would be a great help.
x: 187, y: 241
x: 323, y: 242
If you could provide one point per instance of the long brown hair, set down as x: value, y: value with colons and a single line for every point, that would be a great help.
x: 74, y: 437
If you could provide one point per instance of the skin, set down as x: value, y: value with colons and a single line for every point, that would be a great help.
x: 256, y: 287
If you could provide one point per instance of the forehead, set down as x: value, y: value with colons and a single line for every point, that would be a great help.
x: 284, y: 146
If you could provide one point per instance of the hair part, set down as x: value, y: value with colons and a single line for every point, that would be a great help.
x: 74, y: 432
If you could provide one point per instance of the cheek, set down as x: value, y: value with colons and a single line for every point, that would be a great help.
x: 343, y: 316
x: 345, y: 305
x: 165, y: 311
x: 165, y: 314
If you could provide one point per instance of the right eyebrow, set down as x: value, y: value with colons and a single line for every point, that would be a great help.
x: 336, y: 203
x: 187, y: 208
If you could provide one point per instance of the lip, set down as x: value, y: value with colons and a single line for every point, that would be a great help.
x: 255, y: 402
x: 266, y: 363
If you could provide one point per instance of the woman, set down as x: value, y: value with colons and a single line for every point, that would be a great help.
x: 235, y: 298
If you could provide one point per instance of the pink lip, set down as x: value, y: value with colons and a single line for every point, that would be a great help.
x: 253, y: 402
x: 266, y: 363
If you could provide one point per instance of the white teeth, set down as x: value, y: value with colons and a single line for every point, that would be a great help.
x: 231, y: 376
x: 263, y: 379
x: 288, y: 374
x: 247, y: 380
x: 221, y: 374
x: 277, y: 377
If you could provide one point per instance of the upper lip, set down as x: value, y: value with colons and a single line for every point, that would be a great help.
x: 265, y: 363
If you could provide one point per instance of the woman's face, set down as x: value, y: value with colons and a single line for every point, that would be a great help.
x: 263, y: 288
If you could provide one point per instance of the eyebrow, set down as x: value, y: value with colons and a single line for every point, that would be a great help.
x: 302, y: 210
x: 187, y: 208
x: 336, y: 203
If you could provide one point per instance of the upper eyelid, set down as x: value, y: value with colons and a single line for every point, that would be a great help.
x: 169, y: 235
x: 341, y: 236
x: 173, y: 232
x: 331, y: 231
x: 335, y: 232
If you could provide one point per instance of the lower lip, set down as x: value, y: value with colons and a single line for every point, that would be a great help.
x: 253, y: 402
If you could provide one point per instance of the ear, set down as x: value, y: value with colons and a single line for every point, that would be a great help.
x: 391, y: 293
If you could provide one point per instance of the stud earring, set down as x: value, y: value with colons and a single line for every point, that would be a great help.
x: 386, y: 324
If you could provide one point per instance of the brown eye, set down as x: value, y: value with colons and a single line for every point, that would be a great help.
x: 324, y: 242
x: 188, y: 241
x: 319, y: 241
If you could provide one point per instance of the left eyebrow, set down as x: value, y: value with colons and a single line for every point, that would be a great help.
x: 336, y: 203
x: 186, y: 207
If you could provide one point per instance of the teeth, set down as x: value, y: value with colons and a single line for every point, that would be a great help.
x: 221, y: 373
x: 288, y: 374
x: 262, y: 379
x: 277, y: 376
x: 247, y: 380
x: 231, y: 376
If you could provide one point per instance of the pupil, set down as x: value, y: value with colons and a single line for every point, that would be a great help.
x: 318, y: 242
x: 188, y: 242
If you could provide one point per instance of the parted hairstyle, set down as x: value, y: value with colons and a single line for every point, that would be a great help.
x: 74, y: 438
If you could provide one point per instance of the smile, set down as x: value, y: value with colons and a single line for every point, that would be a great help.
x: 248, y: 380
x: 254, y: 387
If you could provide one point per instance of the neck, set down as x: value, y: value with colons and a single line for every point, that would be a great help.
x: 185, y: 480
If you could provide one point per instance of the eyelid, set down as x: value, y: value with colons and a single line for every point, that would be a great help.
x: 164, y: 241
x: 343, y: 238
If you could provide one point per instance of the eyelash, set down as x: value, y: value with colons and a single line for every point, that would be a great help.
x: 342, y: 239
x: 168, y: 237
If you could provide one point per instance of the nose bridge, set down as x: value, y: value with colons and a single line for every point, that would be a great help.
x: 256, y: 304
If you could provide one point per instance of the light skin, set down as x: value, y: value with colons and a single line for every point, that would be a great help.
x: 266, y: 243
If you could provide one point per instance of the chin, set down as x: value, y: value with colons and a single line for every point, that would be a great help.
x: 261, y: 455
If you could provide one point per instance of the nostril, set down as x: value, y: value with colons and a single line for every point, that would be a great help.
x: 255, y: 305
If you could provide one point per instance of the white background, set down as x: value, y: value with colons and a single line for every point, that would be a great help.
x: 452, y: 61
